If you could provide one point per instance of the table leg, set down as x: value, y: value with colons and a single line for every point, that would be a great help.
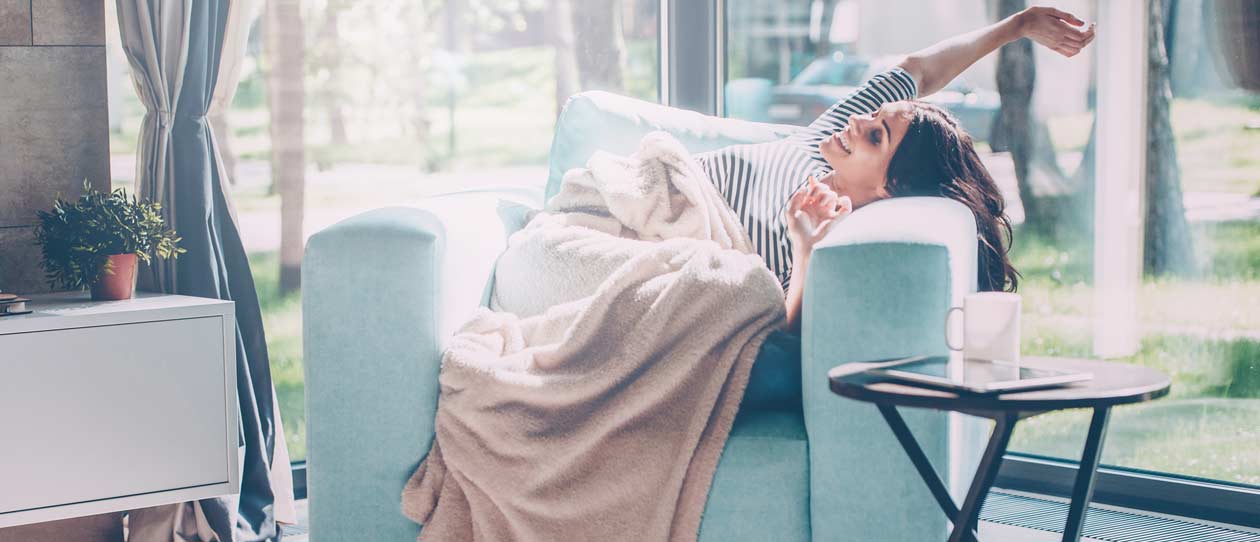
x: 986, y: 473
x: 1083, y: 489
x: 922, y: 464
x: 920, y: 460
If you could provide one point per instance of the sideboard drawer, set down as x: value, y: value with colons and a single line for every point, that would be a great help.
x: 110, y: 411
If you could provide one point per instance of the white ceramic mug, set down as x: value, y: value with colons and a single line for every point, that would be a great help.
x: 990, y: 326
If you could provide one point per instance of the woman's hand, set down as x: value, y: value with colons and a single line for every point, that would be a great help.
x: 1055, y: 29
x: 810, y: 214
x: 812, y: 211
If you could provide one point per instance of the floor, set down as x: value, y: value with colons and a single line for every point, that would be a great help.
x: 988, y: 531
x: 299, y: 532
x: 1007, y: 533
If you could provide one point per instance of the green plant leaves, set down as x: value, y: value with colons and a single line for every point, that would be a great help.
x: 76, y: 237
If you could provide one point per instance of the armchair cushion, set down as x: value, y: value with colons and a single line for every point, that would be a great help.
x: 761, y: 488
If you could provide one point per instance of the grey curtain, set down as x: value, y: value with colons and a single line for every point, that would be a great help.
x: 174, y: 48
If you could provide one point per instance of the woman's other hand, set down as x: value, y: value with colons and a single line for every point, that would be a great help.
x: 812, y: 211
x: 1055, y: 29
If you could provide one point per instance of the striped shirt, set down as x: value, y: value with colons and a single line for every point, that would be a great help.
x: 757, y: 179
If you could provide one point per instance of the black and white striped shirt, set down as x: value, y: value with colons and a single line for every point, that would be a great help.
x: 757, y: 179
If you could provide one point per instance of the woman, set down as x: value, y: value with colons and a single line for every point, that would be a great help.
x: 878, y: 143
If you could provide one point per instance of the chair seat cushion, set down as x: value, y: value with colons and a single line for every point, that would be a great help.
x: 761, y: 488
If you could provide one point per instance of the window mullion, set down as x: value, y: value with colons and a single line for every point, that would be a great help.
x: 690, y: 45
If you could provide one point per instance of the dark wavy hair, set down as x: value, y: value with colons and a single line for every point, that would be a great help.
x: 937, y: 158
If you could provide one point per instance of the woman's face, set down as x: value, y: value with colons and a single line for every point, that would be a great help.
x: 859, y: 155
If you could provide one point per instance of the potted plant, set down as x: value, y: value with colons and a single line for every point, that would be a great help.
x: 94, y: 242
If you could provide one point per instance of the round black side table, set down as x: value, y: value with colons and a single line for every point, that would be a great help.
x: 1113, y: 384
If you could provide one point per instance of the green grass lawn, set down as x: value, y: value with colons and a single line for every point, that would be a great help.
x: 1203, y: 332
x: 1216, y: 142
x: 1205, y: 437
x: 1216, y: 149
x: 282, y: 322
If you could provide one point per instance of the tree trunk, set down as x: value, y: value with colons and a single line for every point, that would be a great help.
x: 601, y: 58
x: 560, y: 31
x: 222, y: 131
x: 1017, y: 130
x: 416, y: 50
x: 1013, y: 130
x: 337, y: 125
x: 286, y: 89
x: 1167, y: 249
x: 330, y: 53
x: 1081, y: 201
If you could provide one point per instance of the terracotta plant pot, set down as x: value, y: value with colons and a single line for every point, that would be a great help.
x: 121, y: 284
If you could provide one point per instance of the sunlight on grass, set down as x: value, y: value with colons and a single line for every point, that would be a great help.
x: 1209, y: 438
x: 1070, y: 132
x: 1216, y: 149
x: 1204, y: 333
x: 282, y: 321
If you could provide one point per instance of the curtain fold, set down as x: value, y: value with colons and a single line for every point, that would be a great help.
x: 240, y: 18
x: 177, y: 49
x: 154, y: 37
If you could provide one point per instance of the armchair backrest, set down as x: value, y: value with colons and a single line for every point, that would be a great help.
x: 604, y: 121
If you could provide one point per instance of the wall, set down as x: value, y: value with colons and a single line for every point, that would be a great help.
x: 54, y: 127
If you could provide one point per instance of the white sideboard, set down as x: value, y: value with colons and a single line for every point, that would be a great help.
x: 116, y: 405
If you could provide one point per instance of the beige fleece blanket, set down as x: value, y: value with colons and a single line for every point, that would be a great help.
x: 594, y: 403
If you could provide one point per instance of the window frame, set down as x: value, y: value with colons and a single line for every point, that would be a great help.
x: 298, y: 469
x: 693, y: 75
x: 692, y: 37
x: 1199, y: 498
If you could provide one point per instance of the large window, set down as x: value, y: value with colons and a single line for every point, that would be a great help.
x: 402, y: 99
x: 1191, y: 271
x: 1198, y: 301
x: 347, y: 106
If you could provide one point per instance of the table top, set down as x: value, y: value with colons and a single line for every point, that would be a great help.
x: 1113, y: 384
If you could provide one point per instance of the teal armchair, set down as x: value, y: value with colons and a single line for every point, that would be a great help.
x: 800, y: 463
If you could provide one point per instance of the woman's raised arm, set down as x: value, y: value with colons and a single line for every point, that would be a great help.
x: 935, y: 66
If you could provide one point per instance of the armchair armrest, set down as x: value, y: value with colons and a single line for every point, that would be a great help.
x: 382, y: 291
x: 879, y: 287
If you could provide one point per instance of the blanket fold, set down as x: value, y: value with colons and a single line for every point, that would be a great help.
x: 594, y: 401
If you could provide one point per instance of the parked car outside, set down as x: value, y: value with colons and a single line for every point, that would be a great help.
x: 829, y: 79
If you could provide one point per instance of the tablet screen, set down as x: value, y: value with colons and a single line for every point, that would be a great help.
x: 978, y: 374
